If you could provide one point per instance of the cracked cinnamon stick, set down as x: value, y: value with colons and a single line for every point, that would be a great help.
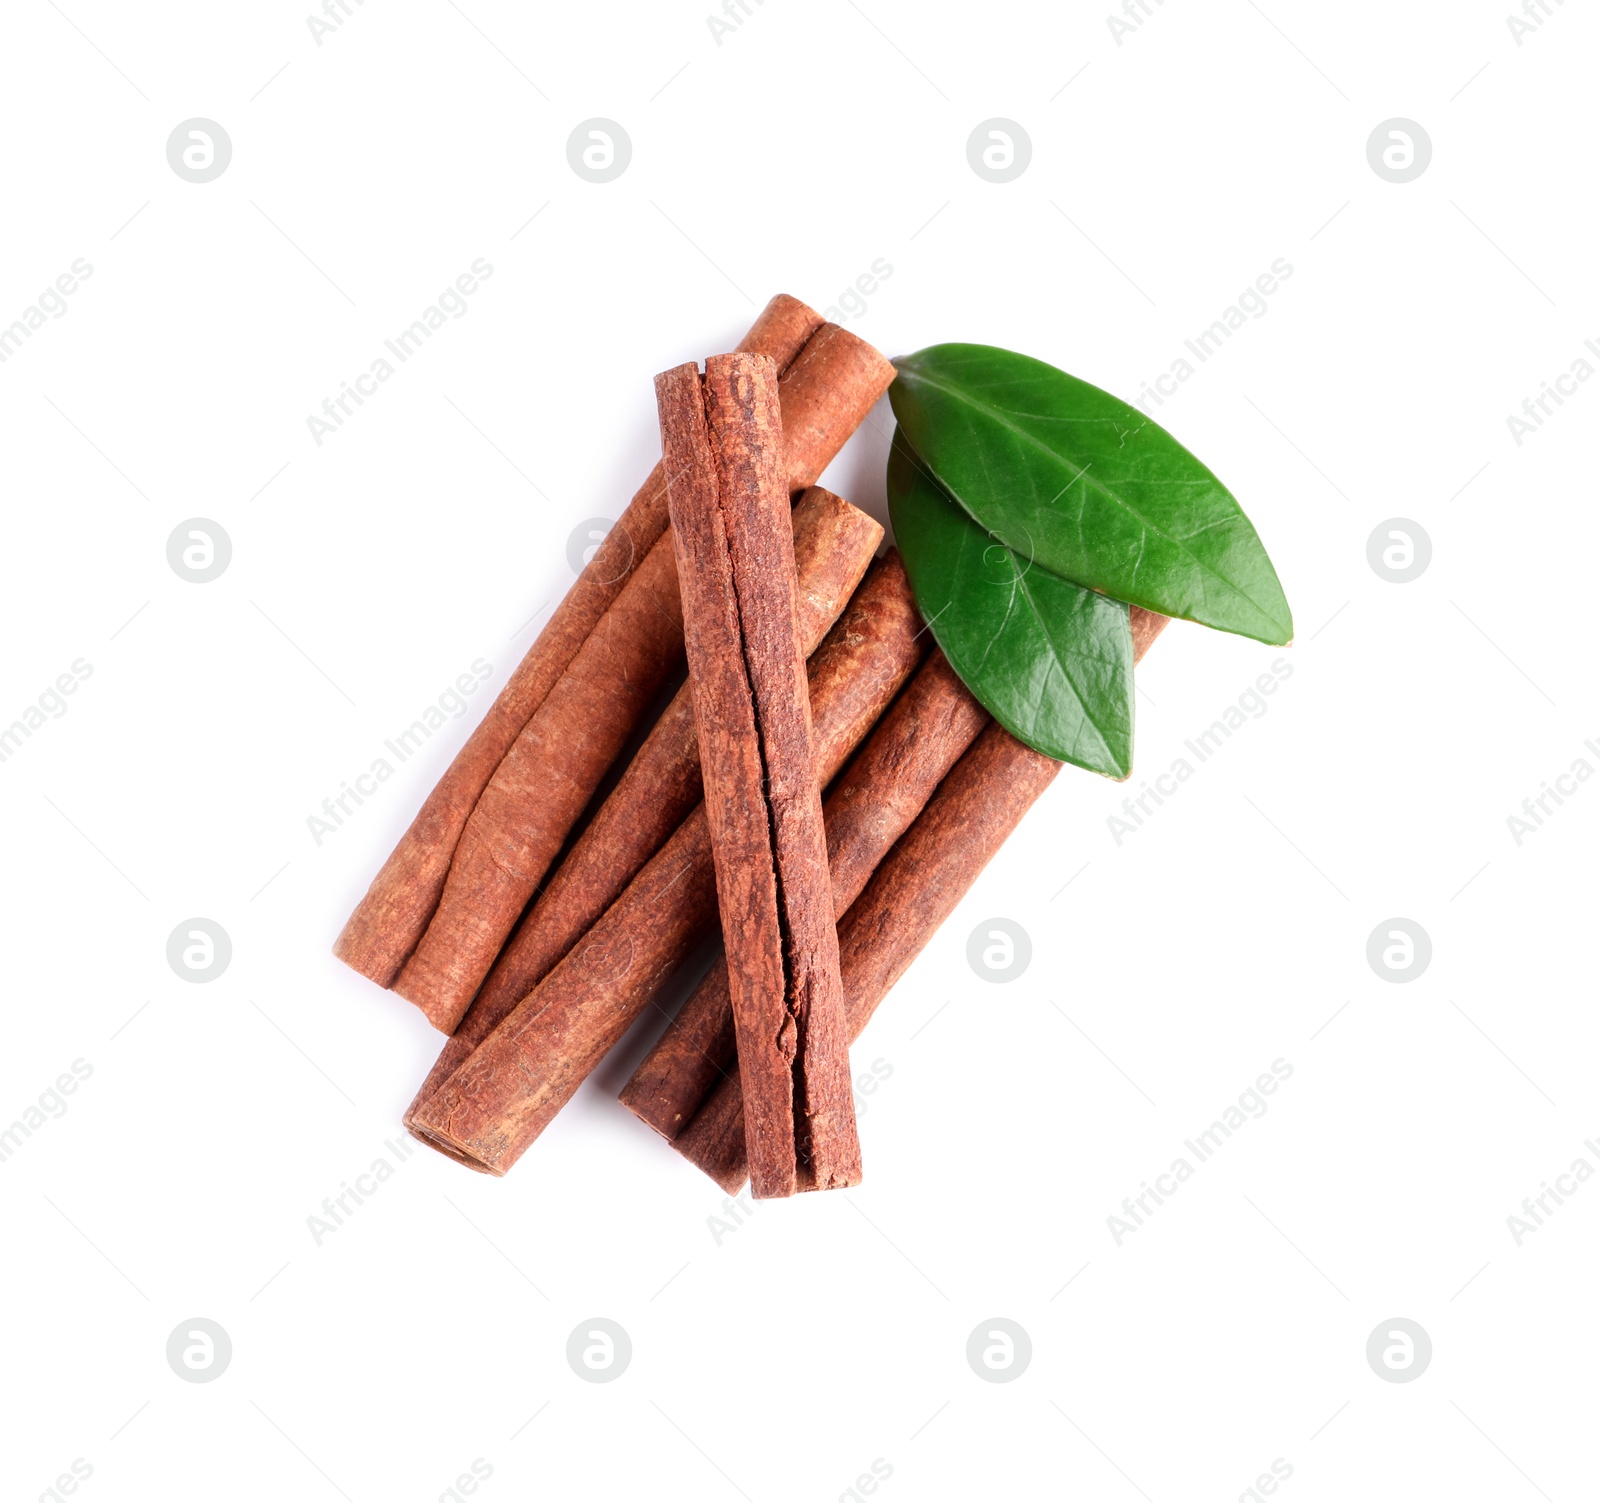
x: 830, y: 381
x: 507, y: 1091
x: 833, y: 545
x: 910, y: 750
x: 721, y: 441
x: 913, y: 891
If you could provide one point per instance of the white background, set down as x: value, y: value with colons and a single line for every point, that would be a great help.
x: 779, y: 1360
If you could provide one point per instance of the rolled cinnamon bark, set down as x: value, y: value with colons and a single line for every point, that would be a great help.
x: 831, y: 380
x: 912, y: 748
x: 833, y: 544
x: 508, y: 1090
x: 721, y: 440
x: 542, y: 785
x: 911, y: 894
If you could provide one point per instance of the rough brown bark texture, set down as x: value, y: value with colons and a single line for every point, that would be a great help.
x: 386, y: 925
x: 912, y: 893
x: 912, y: 748
x: 721, y: 440
x: 831, y: 382
x: 542, y: 785
x: 507, y: 1091
x: 833, y: 544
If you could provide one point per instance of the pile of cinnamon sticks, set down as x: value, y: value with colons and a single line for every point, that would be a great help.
x: 809, y: 674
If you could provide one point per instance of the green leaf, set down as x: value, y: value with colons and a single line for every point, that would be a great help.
x: 1051, y: 661
x: 1088, y: 487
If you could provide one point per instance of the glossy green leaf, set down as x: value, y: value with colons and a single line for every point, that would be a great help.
x: 1087, y: 486
x: 1051, y: 661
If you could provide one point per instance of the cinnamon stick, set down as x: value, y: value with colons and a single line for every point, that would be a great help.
x: 508, y: 1090
x: 833, y: 545
x: 830, y: 381
x: 911, y: 894
x: 542, y: 785
x: 721, y: 440
x: 912, y: 748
